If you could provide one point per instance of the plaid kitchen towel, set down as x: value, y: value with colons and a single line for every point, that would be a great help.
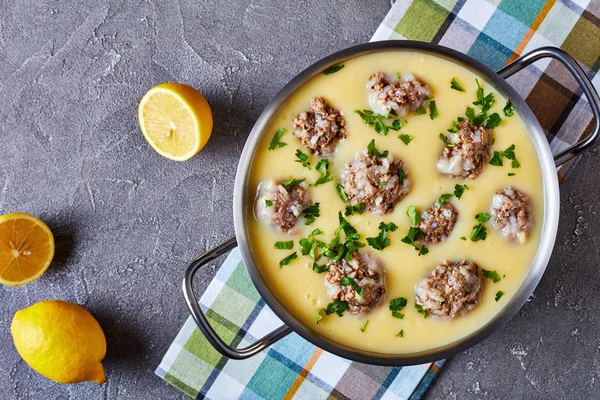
x: 291, y: 368
x: 496, y: 32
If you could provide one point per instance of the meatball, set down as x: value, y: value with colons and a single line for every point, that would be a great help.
x: 366, y: 272
x: 437, y: 224
x: 280, y: 205
x: 469, y: 151
x: 511, y: 214
x: 402, y: 95
x: 320, y: 128
x: 451, y: 290
x: 378, y: 183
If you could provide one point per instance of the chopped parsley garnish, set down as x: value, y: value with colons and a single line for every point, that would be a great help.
x: 364, y: 327
x: 268, y: 203
x: 493, y: 275
x: 442, y: 199
x: 319, y: 269
x: 479, y: 231
x: 400, y: 334
x: 493, y: 121
x: 444, y: 139
x: 275, y: 143
x: 476, y: 120
x: 375, y: 121
x: 311, y: 213
x: 483, y: 102
x: 351, y: 210
x: 508, y: 154
x: 459, y: 190
x: 288, y: 259
x: 398, y: 75
x: 284, y: 245
x: 333, y: 69
x: 433, y: 111
x: 511, y: 174
x: 411, y: 237
x: 421, y: 110
x: 508, y: 109
x: 496, y: 159
x: 323, y: 167
x: 340, y: 191
x: 414, y: 215
x: 499, y: 294
x: 396, y: 305
x: 372, y: 150
x: 292, y: 182
x: 382, y: 241
x: 401, y: 174
x: 454, y: 127
x: 383, y: 183
x: 336, y: 307
x: 455, y: 85
x: 309, y: 245
x: 347, y: 281
x: 302, y: 158
x: 406, y: 139
x: 421, y: 311
x: 463, y: 238
x: 336, y: 250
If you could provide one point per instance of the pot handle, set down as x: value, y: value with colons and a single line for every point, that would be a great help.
x: 200, y: 319
x: 586, y: 86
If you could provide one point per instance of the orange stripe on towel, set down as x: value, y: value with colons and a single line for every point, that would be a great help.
x: 534, y: 27
x: 309, y: 364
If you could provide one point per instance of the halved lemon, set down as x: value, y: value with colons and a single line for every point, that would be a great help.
x: 26, y: 248
x: 176, y: 120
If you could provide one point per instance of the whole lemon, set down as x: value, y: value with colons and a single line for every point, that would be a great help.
x: 60, y: 340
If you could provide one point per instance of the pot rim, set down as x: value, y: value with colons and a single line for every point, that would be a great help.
x: 536, y: 269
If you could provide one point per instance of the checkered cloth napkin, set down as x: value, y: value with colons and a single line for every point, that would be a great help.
x: 495, y: 32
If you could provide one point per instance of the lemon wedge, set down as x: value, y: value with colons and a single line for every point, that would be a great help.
x: 26, y: 248
x: 176, y: 120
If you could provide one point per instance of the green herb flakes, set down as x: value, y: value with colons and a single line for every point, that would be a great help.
x: 414, y: 215
x: 336, y: 307
x: 421, y: 310
x: 275, y: 143
x: 421, y: 110
x: 463, y: 238
x: 499, y: 295
x: 400, y: 334
x: 268, y: 203
x: 493, y: 121
x: 479, y: 231
x: 347, y: 281
x: 364, y: 327
x: 442, y: 199
x: 493, y: 275
x: 406, y: 139
x: 398, y: 75
x: 320, y: 315
x: 483, y: 217
x: 323, y: 168
x: 455, y: 85
x: 459, y: 190
x: 372, y: 150
x: 376, y: 122
x: 333, y: 69
x: 444, y: 139
x: 292, y: 181
x: 433, y: 111
x: 319, y: 269
x: 302, y: 158
x: 396, y: 305
x: 411, y: 237
x: 351, y: 210
x: 484, y: 102
x: 340, y: 191
x: 288, y: 259
x: 311, y: 213
x: 284, y: 245
x: 511, y: 174
x: 382, y: 241
x: 508, y: 109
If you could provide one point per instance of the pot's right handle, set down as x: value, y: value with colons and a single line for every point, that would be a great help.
x: 586, y: 86
x: 201, y: 320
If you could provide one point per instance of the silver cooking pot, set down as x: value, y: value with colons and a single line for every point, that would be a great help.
x: 548, y: 164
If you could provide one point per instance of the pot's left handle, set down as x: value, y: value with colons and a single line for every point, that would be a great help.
x: 586, y: 87
x: 200, y: 319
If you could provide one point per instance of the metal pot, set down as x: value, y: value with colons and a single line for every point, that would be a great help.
x: 548, y: 165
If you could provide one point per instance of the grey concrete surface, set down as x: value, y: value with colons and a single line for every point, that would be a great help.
x: 128, y: 221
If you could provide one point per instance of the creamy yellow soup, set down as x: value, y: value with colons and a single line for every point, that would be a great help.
x: 303, y: 292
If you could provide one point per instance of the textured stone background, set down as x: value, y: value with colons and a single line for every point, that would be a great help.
x: 128, y: 221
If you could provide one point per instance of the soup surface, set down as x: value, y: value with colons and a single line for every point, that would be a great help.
x: 303, y: 291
